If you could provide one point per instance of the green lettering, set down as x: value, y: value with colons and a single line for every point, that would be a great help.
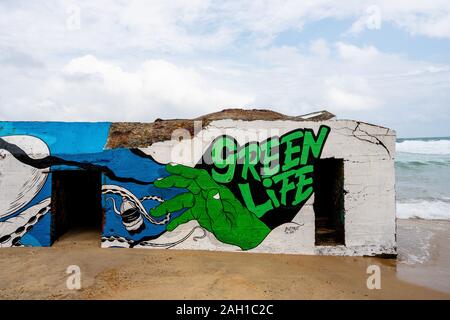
x: 229, y: 162
x: 249, y: 157
x: 302, y: 182
x: 270, y: 157
x: 313, y: 145
x: 286, y: 184
x: 291, y: 149
x: 258, y: 210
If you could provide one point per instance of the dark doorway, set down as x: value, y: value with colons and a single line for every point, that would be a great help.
x: 329, y: 201
x: 76, y: 201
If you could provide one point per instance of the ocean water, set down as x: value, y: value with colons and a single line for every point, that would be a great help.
x: 423, y: 178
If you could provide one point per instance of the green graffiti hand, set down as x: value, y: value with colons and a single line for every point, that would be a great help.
x: 214, y: 207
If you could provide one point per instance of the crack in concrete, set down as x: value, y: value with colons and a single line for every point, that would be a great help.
x: 378, y: 142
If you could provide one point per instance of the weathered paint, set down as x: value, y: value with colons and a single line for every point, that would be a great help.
x: 368, y: 154
x: 202, y: 202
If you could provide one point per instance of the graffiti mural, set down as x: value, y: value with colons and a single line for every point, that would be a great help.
x: 236, y: 194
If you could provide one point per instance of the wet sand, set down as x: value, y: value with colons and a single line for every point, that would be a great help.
x: 424, y: 253
x: 40, y: 273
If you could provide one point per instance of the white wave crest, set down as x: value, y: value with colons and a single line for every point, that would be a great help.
x: 430, y: 210
x: 424, y: 147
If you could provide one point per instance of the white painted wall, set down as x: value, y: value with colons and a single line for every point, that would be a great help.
x: 19, y: 183
x: 368, y: 153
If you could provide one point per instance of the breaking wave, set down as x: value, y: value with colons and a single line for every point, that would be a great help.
x: 423, y: 178
x: 430, y: 210
x: 425, y: 146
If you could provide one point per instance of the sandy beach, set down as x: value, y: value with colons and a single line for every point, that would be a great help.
x: 421, y: 272
x: 424, y: 253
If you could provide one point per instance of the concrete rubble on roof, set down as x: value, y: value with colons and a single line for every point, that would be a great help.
x: 137, y: 134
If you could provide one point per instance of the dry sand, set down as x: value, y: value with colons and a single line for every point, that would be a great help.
x: 40, y: 273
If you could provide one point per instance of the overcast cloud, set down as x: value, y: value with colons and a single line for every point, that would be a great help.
x: 385, y: 62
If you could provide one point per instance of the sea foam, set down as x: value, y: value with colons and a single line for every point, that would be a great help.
x: 430, y: 210
x: 424, y: 146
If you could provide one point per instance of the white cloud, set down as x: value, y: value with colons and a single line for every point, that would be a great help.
x: 437, y: 25
x: 350, y: 94
x: 352, y: 81
x: 90, y: 89
x: 371, y: 19
x: 320, y: 48
x: 344, y: 78
x: 138, y: 60
x: 108, y: 27
x: 357, y: 54
x: 428, y: 18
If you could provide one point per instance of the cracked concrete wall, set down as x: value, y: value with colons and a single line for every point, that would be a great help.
x: 131, y: 177
x: 368, y: 153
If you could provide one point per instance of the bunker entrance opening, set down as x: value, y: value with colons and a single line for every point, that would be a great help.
x: 76, y: 203
x: 329, y: 202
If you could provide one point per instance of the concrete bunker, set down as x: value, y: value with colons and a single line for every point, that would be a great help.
x: 328, y: 189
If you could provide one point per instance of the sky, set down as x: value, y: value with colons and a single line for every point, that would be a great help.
x: 385, y: 62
